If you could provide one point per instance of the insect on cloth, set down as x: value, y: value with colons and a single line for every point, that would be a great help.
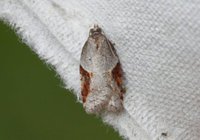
x: 101, y: 75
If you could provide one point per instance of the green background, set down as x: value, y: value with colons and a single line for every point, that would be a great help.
x: 33, y: 103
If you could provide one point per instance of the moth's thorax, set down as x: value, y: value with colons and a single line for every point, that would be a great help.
x: 97, y: 41
x: 98, y: 55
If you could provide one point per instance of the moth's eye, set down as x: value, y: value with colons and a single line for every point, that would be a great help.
x: 99, y: 30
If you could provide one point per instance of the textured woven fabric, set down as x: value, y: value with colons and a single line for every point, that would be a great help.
x: 158, y: 42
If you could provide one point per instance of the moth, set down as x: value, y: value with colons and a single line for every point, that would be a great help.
x: 101, y: 75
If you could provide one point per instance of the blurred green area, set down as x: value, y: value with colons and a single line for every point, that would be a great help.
x: 33, y: 103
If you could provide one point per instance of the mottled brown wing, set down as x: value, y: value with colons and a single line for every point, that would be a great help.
x: 85, y: 83
x: 117, y: 74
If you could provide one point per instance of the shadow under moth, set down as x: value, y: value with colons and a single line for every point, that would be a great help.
x: 101, y: 75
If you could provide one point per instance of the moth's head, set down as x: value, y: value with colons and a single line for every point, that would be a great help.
x: 95, y: 32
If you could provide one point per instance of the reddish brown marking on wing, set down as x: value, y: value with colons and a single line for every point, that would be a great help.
x: 117, y: 74
x: 85, y: 83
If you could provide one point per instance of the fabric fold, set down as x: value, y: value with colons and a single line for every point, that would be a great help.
x: 158, y: 45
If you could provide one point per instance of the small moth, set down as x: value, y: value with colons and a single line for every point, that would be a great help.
x: 101, y: 75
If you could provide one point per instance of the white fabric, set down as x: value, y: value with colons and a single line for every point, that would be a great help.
x: 158, y: 42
